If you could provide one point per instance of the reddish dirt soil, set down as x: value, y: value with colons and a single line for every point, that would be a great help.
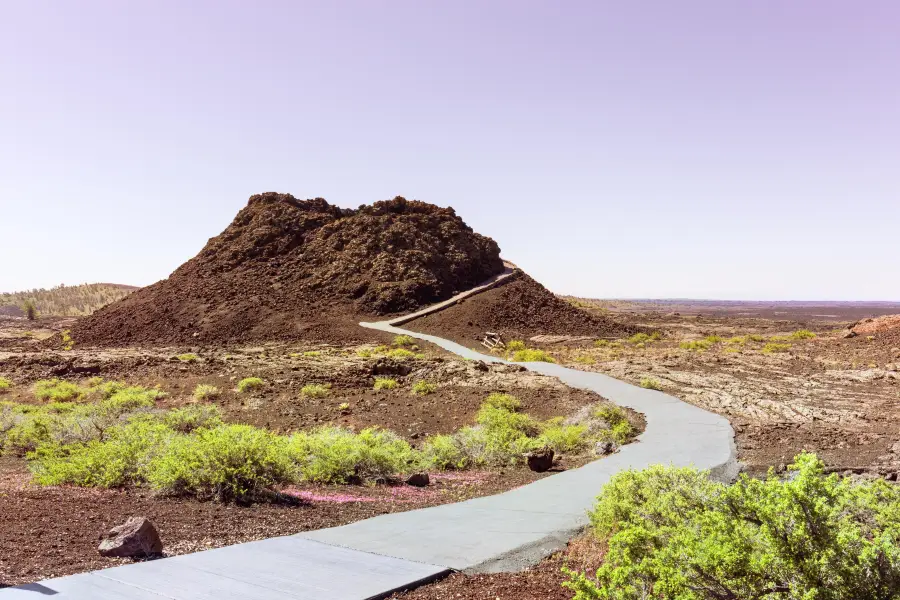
x: 288, y: 269
x: 540, y: 582
x: 518, y: 308
x: 51, y: 532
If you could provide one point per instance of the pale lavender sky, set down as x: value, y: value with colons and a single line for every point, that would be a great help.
x: 713, y: 149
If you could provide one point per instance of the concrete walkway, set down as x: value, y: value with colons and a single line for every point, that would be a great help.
x: 371, y: 558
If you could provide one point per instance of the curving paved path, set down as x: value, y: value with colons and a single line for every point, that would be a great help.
x: 372, y: 558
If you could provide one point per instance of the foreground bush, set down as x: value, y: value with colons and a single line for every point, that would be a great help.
x: 530, y: 355
x: 229, y: 463
x: 248, y: 384
x: 57, y: 390
x: 673, y: 533
x: 385, y: 383
x: 5, y: 384
x: 337, y: 455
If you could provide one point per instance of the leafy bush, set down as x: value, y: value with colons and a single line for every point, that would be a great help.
x: 601, y: 343
x: 755, y: 337
x: 385, y: 383
x: 640, y: 338
x: 772, y: 347
x: 122, y: 459
x: 564, y: 439
x: 193, y: 417
x: 532, y: 356
x: 403, y: 340
x: 205, y: 391
x: 423, y: 388
x: 673, y: 533
x: 57, y: 390
x: 515, y: 345
x: 344, y: 407
x: 337, y: 455
x: 5, y: 384
x: 315, y: 390
x: 503, y: 401
x: 400, y: 354
x: 585, y: 359
x: 248, y: 384
x: 230, y: 462
x: 695, y: 345
x: 803, y: 334
x: 188, y: 358
x: 619, y: 428
x: 736, y: 340
x: 713, y: 339
x: 446, y: 452
x: 651, y: 384
x: 364, y: 352
x: 312, y: 353
x: 66, y: 340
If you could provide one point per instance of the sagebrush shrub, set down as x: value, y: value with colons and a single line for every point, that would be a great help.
x: 515, y: 345
x: 337, y: 455
x: 530, y: 355
x: 192, y: 417
x: 188, y: 358
x: 403, y: 340
x: 229, y: 463
x: 803, y: 334
x: 248, y: 384
x: 423, y: 388
x: 5, y: 384
x: 672, y: 533
x: 504, y: 401
x: 651, y: 384
x: 772, y: 348
x: 57, y: 390
x: 315, y: 390
x: 205, y: 391
x: 385, y: 383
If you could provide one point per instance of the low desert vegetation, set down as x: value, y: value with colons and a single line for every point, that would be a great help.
x: 5, y: 385
x: 515, y: 345
x: 118, y: 437
x: 204, y: 391
x: 696, y: 345
x: 30, y: 309
x: 403, y: 340
x: 502, y: 435
x: 774, y: 348
x: 188, y: 358
x: 66, y: 341
x: 423, y: 388
x: 57, y: 390
x: 651, y: 384
x: 803, y: 334
x: 315, y: 390
x: 249, y: 384
x: 385, y: 383
x: 66, y: 300
x: 531, y: 355
x: 673, y: 533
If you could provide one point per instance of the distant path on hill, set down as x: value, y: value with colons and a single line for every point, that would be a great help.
x: 372, y: 558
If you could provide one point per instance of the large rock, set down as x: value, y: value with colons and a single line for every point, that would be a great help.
x: 137, y: 538
x: 418, y: 480
x: 540, y: 460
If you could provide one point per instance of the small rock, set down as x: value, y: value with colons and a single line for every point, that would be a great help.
x: 540, y: 460
x: 848, y: 334
x: 418, y: 480
x: 604, y: 448
x: 137, y: 538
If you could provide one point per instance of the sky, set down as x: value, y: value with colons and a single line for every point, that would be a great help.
x: 649, y: 149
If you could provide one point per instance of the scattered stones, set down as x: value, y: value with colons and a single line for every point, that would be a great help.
x: 418, y: 480
x: 541, y: 460
x: 849, y: 334
x: 604, y: 448
x: 136, y: 538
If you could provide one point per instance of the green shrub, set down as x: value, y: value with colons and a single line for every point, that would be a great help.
x: 193, y: 417
x: 564, y: 438
x: 803, y: 334
x: 755, y: 337
x: 772, y: 348
x: 205, y: 391
x: 515, y: 345
x: 385, y: 383
x: 248, y: 384
x: 231, y: 462
x: 619, y: 428
x: 585, y: 359
x: 121, y: 459
x: 403, y: 340
x: 105, y: 389
x: 401, y: 354
x: 532, y: 356
x: 364, y: 352
x: 503, y: 401
x: 94, y: 381
x: 312, y: 353
x: 736, y: 340
x: 640, y: 338
x: 601, y: 343
x: 713, y: 339
x: 423, y: 388
x: 337, y: 455
x: 695, y: 345
x: 30, y: 309
x: 445, y: 452
x: 315, y: 390
x: 651, y: 384
x: 66, y: 340
x: 672, y: 533
x: 57, y: 390
x: 188, y: 358
x: 5, y: 384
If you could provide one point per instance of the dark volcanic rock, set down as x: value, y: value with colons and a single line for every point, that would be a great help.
x: 540, y: 460
x: 289, y: 269
x: 137, y: 538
